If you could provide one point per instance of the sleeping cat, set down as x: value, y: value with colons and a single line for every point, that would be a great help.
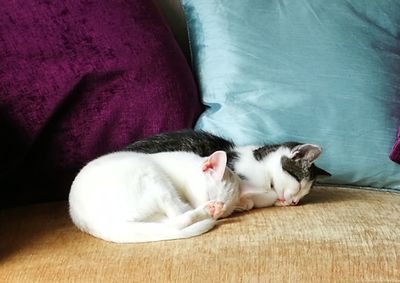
x: 279, y: 174
x: 128, y: 197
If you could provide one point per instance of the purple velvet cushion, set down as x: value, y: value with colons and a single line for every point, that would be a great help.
x: 395, y: 154
x: 79, y: 79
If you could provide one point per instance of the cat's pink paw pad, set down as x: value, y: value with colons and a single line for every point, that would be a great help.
x: 216, y: 208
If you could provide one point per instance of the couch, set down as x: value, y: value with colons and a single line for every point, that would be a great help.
x: 336, y: 234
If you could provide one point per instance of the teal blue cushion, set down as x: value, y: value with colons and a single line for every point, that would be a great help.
x: 324, y: 72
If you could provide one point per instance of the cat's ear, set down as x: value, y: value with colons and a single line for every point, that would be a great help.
x: 215, y: 165
x: 306, y: 153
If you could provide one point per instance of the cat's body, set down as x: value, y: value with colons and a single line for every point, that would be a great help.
x: 279, y: 174
x: 130, y: 197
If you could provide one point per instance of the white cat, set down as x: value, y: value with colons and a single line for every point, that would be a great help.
x: 272, y: 174
x: 128, y: 197
x: 290, y: 175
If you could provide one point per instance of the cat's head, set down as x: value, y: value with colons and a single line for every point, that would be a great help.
x: 291, y: 170
x: 222, y: 183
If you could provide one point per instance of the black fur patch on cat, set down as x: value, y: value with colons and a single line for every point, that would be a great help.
x: 300, y: 171
x: 200, y: 142
x: 263, y: 151
x: 297, y: 169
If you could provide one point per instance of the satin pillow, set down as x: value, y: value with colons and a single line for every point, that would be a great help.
x: 324, y: 72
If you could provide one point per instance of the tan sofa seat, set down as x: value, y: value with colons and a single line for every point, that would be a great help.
x: 335, y: 235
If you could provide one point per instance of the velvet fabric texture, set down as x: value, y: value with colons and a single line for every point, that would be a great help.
x: 315, y: 71
x: 395, y: 154
x: 79, y: 79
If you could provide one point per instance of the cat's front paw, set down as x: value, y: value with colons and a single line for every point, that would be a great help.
x: 245, y: 203
x: 284, y: 202
x: 215, y: 208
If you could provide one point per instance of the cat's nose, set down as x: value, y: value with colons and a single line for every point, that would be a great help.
x: 281, y: 200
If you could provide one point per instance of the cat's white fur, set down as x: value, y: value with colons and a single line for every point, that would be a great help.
x: 267, y: 183
x: 128, y: 197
